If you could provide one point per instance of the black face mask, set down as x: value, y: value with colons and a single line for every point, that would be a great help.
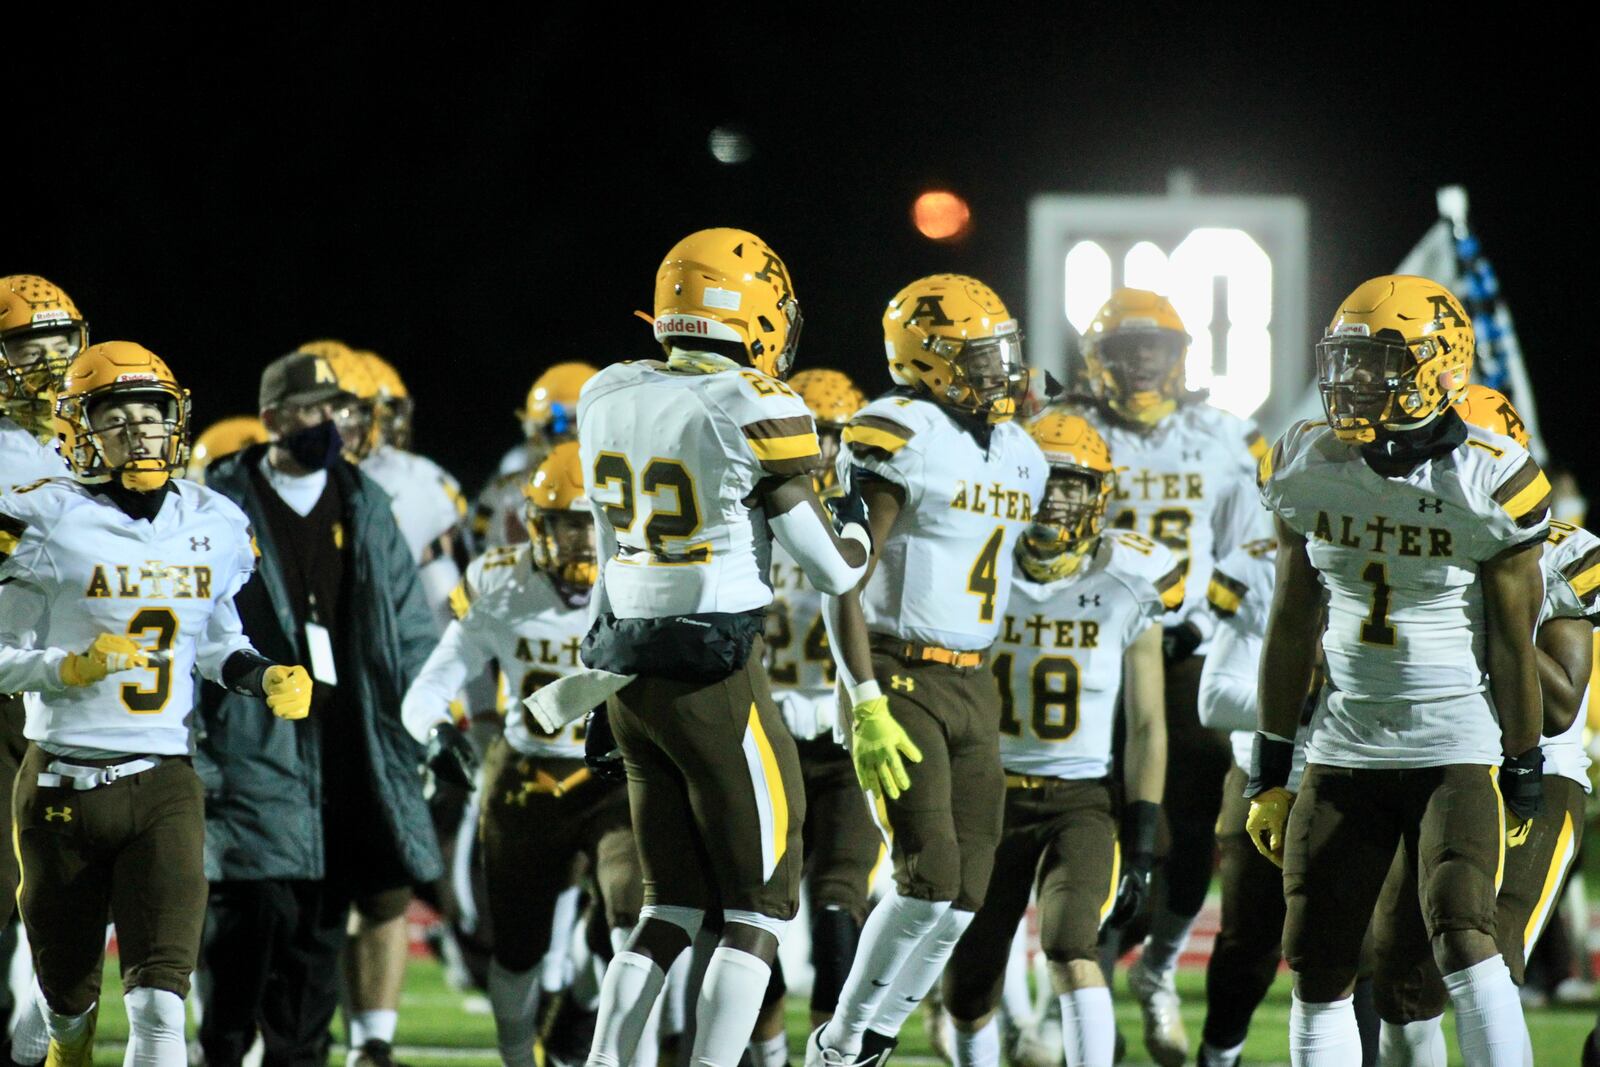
x: 316, y: 447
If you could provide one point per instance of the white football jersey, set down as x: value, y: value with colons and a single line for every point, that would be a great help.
x: 23, y: 459
x: 512, y: 615
x: 497, y: 515
x: 429, y: 508
x: 671, y: 461
x: 1188, y: 483
x: 1399, y: 557
x: 1240, y: 596
x: 1058, y: 659
x: 1571, y: 565
x: 944, y: 572
x: 75, y: 566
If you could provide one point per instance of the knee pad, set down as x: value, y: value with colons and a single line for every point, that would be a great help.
x: 834, y: 936
x: 686, y: 919
x: 775, y: 927
x: 154, y: 1011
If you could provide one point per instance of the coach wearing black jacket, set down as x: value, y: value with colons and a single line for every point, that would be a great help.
x: 305, y: 819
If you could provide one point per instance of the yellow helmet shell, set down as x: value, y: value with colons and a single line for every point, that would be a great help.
x: 554, y: 396
x: 728, y: 285
x: 99, y: 373
x: 30, y: 304
x: 557, y: 485
x: 926, y: 325
x: 1134, y: 312
x: 1490, y: 410
x: 390, y: 384
x: 830, y: 394
x: 223, y: 438
x: 1070, y: 441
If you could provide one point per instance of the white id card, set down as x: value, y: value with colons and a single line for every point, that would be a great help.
x: 320, y: 645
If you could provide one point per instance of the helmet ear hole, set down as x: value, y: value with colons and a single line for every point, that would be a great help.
x: 766, y: 324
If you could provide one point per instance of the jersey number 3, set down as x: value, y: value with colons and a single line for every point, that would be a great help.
x: 138, y: 699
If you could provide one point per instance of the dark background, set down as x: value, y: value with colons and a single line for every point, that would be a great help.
x: 476, y: 198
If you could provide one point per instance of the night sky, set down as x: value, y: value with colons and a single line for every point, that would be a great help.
x: 477, y: 199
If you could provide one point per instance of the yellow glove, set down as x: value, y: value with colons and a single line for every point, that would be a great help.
x: 1269, y: 814
x: 876, y: 744
x: 1517, y: 830
x: 288, y: 691
x: 110, y: 654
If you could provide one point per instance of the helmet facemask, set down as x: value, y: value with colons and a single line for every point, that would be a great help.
x: 1145, y: 368
x: 358, y: 427
x: 563, y: 547
x: 393, y: 415
x: 988, y: 375
x: 1068, y: 522
x: 784, y: 361
x: 33, y: 367
x: 1368, y: 383
x: 126, y: 444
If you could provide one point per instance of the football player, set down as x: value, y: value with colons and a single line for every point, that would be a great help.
x: 950, y: 482
x: 1188, y: 486
x: 548, y: 417
x: 223, y: 438
x: 842, y: 844
x: 1411, y: 995
x: 688, y: 464
x: 119, y: 583
x: 527, y: 608
x: 1084, y: 629
x: 395, y: 407
x: 1426, y: 533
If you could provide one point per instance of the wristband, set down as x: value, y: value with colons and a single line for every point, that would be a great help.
x: 863, y: 692
x: 1139, y: 821
x: 1271, y: 760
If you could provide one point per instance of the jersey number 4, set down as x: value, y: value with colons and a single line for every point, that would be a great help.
x: 984, y: 581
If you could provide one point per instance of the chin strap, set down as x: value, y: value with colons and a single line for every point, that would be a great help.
x: 1146, y: 409
x: 1054, y: 568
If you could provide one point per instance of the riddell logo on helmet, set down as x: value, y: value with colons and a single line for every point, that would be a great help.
x: 56, y: 315
x: 682, y: 324
x: 141, y: 376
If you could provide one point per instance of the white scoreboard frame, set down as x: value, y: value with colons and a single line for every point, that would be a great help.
x: 1224, y: 236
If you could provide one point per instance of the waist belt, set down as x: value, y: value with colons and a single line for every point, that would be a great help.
x: 1030, y: 781
x: 63, y: 775
x: 545, y: 782
x: 912, y: 652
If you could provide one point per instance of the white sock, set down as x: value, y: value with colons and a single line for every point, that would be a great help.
x: 1489, y: 1025
x: 30, y: 1038
x: 1015, y: 1000
x: 373, y: 1024
x: 557, y: 963
x: 1418, y: 1044
x: 1169, y: 932
x: 919, y: 972
x: 1324, y: 1035
x: 977, y: 1048
x: 730, y: 999
x: 891, y: 935
x: 66, y: 1030
x: 155, y: 1029
x: 586, y: 969
x: 1088, y: 1030
x: 1211, y: 1056
x: 675, y: 1005
x: 514, y: 999
x: 627, y: 998
x: 773, y: 1052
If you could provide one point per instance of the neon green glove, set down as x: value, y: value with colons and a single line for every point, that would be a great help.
x: 1269, y: 814
x: 288, y: 691
x: 877, y: 744
x: 110, y: 654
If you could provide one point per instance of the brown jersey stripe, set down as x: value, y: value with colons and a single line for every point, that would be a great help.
x: 1513, y: 486
x: 789, y: 467
x: 889, y: 426
x: 769, y: 429
x: 1170, y: 586
x: 1226, y: 593
x: 1537, y: 513
x: 1583, y: 574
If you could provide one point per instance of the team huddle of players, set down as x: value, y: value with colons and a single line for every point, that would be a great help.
x: 1034, y: 644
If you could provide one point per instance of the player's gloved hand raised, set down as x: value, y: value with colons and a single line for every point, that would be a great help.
x: 109, y: 654
x: 1180, y: 641
x: 288, y: 691
x: 1269, y: 814
x: 878, y: 743
x: 1522, y: 786
x: 450, y: 756
x: 600, y: 751
x: 1140, y: 819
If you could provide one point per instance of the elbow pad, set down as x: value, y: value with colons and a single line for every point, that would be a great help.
x: 802, y: 534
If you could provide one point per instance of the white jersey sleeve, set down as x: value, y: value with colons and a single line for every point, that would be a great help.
x: 1240, y: 595
x: 1571, y: 565
x: 672, y: 463
x: 1399, y: 558
x: 944, y: 572
x: 24, y: 460
x: 1059, y: 657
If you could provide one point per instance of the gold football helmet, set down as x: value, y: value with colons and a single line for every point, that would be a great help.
x: 119, y: 370
x: 41, y: 332
x: 223, y: 438
x: 952, y: 337
x: 550, y: 413
x: 1134, y: 353
x: 1398, y: 352
x: 727, y: 285
x: 1490, y: 410
x: 357, y: 420
x: 1072, y: 513
x: 834, y: 400
x: 395, y: 406
x: 560, y: 524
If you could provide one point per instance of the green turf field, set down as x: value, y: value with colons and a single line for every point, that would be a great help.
x: 437, y: 1029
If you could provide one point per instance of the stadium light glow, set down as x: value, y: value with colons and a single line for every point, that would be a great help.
x: 940, y: 215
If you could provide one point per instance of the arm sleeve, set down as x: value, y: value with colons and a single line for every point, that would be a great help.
x: 1518, y: 511
x: 1228, y: 687
x: 24, y: 669
x: 801, y: 532
x: 224, y: 635
x: 882, y: 447
x: 456, y: 658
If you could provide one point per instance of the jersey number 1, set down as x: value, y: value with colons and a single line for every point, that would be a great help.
x: 1375, y: 629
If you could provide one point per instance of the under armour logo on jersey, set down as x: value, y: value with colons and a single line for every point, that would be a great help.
x: 1434, y: 504
x: 52, y: 814
x: 902, y: 683
x: 1084, y: 600
x: 1022, y: 472
x: 1193, y: 455
x: 199, y: 544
